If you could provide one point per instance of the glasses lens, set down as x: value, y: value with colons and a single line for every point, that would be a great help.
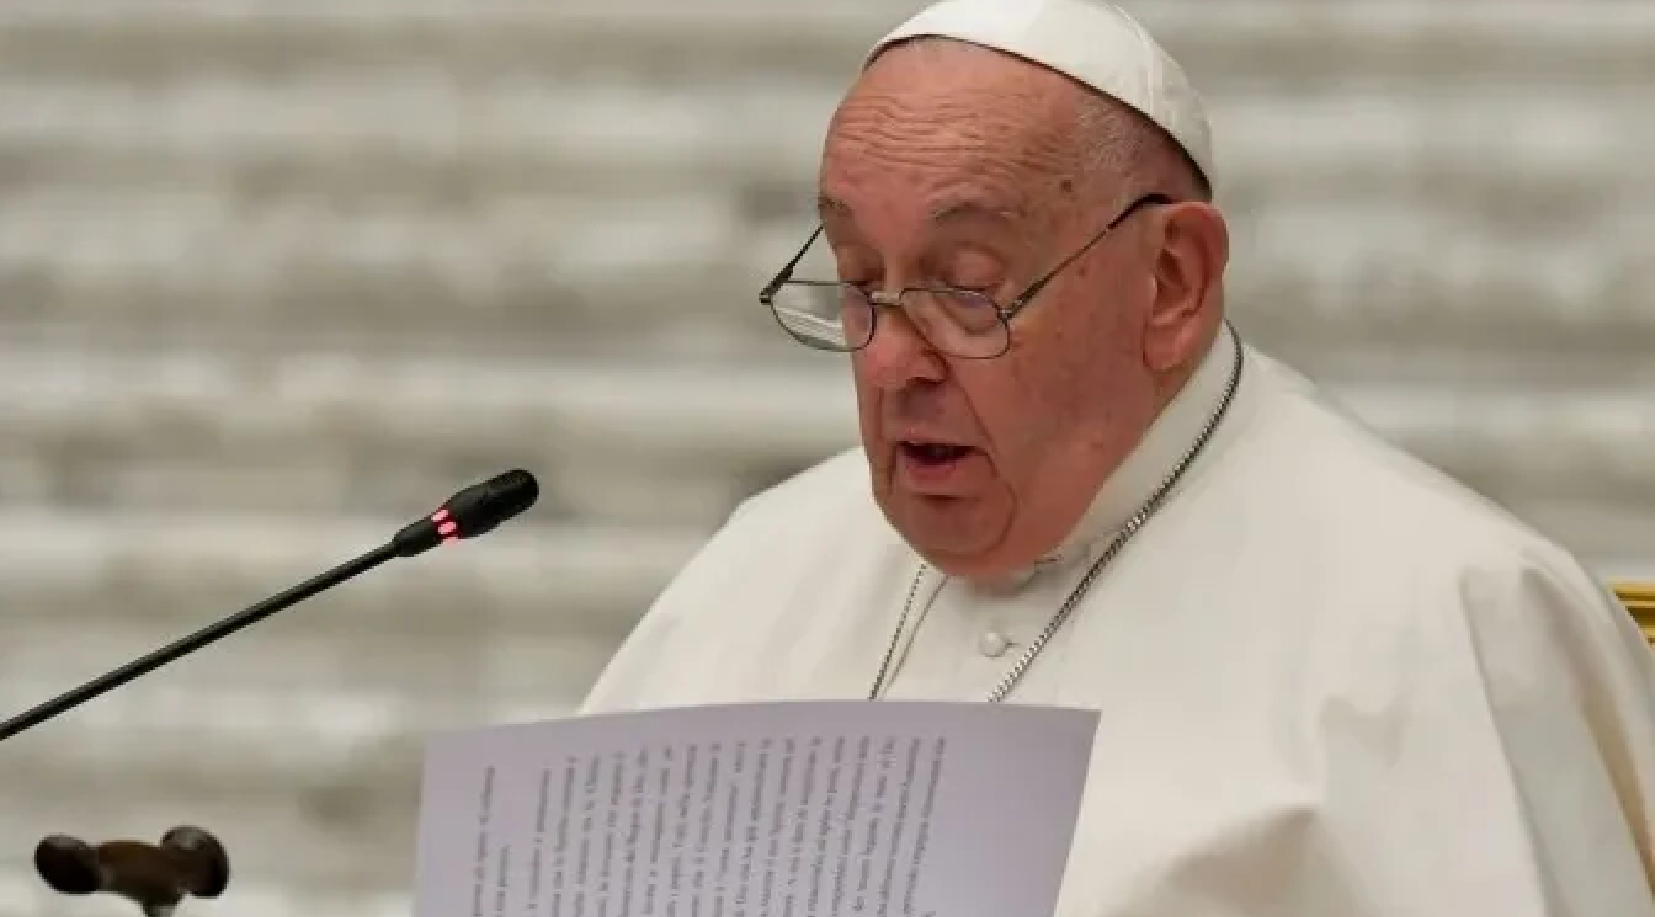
x: 973, y: 313
x: 828, y: 316
x: 960, y: 323
x: 832, y: 316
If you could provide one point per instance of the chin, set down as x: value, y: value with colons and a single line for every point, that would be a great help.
x: 961, y: 566
x: 992, y: 571
x: 942, y: 531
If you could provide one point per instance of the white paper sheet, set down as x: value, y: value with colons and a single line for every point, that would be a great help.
x: 796, y: 809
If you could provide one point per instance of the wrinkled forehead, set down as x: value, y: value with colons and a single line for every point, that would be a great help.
x: 932, y: 121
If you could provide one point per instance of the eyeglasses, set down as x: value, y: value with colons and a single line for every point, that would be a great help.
x: 838, y: 316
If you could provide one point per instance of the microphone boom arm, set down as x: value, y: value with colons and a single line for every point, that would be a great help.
x: 470, y: 512
x: 184, y: 646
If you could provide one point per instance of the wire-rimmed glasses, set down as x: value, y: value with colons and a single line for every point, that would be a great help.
x: 838, y: 316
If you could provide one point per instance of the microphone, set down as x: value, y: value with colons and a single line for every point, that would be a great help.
x: 471, y: 512
x: 156, y: 877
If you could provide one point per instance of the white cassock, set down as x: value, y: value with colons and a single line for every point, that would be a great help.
x: 1332, y: 682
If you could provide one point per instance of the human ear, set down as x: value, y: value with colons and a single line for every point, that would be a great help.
x: 1189, y: 263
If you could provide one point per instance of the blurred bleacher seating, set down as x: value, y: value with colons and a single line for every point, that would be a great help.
x: 277, y: 274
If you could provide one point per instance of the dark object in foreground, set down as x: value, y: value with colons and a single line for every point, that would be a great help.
x: 188, y: 862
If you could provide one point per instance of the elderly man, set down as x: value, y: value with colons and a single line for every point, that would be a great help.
x: 1331, y: 681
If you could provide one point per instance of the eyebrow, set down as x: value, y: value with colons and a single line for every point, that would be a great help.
x: 972, y: 209
x: 956, y: 211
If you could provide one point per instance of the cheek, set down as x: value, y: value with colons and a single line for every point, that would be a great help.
x: 868, y: 417
x: 1059, y: 390
x: 1092, y: 357
x: 1012, y: 400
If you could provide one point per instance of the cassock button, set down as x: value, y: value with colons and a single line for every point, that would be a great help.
x: 993, y: 644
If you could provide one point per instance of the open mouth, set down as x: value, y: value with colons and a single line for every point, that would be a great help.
x: 934, y: 454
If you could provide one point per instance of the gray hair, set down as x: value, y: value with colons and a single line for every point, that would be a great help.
x: 1119, y: 146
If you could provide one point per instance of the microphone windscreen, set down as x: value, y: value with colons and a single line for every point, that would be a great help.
x: 470, y: 512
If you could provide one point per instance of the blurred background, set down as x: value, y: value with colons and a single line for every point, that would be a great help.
x: 278, y: 275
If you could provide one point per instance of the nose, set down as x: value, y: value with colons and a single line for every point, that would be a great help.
x: 898, y: 355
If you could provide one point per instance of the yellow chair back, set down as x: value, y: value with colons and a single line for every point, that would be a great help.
x: 1637, y: 598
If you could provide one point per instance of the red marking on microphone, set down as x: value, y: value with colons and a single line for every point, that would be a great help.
x: 441, y: 515
x: 447, y: 528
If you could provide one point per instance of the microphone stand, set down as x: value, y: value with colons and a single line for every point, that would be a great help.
x: 190, y: 861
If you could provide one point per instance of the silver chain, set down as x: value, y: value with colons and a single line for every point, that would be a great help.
x: 1129, y: 529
